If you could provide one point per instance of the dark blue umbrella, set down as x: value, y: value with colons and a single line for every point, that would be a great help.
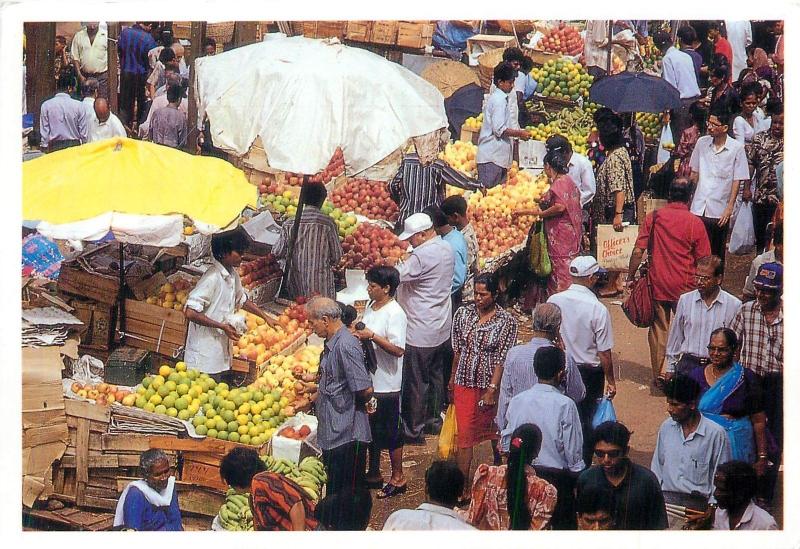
x: 635, y: 92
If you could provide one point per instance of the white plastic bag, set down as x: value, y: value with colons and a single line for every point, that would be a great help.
x: 666, y: 137
x: 88, y: 370
x: 743, y: 236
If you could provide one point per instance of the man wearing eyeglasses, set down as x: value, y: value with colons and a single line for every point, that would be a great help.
x: 698, y: 313
x: 636, y: 493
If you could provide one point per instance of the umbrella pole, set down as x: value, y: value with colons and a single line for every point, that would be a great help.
x: 610, y: 35
x: 293, y: 236
x: 121, y: 296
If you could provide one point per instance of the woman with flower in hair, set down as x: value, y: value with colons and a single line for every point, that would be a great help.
x: 512, y: 496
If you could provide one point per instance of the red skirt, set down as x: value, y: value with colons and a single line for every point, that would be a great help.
x: 475, y: 423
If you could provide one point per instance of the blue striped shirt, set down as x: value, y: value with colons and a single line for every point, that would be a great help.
x: 133, y: 45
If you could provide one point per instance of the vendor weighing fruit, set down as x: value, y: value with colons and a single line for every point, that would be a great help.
x: 213, y: 301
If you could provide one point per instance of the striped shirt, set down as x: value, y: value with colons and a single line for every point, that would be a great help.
x: 481, y: 347
x: 342, y: 375
x: 316, y: 251
x: 761, y: 343
x: 272, y: 497
x: 518, y: 376
x: 133, y: 45
x: 415, y: 186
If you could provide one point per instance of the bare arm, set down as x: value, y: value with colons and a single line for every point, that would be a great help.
x: 251, y: 307
x: 297, y: 514
x: 726, y: 215
x: 380, y: 341
x: 759, y: 421
x: 203, y: 320
x: 636, y: 260
x: 607, y: 364
x: 619, y: 203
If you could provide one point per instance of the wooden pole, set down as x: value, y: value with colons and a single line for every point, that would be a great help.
x: 197, y: 37
x: 293, y: 236
x: 113, y: 67
x: 40, y: 82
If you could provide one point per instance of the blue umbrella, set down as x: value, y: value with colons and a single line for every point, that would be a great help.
x: 635, y: 92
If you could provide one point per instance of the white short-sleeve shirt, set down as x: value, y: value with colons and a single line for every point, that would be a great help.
x: 390, y: 322
x: 585, y: 324
x: 717, y: 169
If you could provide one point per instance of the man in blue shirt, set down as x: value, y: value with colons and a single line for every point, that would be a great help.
x: 459, y: 246
x: 133, y: 45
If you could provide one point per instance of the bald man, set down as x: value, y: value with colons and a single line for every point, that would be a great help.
x: 104, y: 124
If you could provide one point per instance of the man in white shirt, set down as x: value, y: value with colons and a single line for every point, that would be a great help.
x: 699, y: 313
x: 689, y: 448
x: 89, y: 94
x: 735, y: 484
x: 677, y: 68
x: 588, y: 338
x: 495, y: 149
x: 719, y: 167
x: 740, y: 35
x: 595, y: 47
x: 89, y: 52
x: 580, y: 167
x: 444, y: 483
x: 104, y: 124
x: 424, y: 294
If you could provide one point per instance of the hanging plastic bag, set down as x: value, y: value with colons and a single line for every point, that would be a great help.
x: 666, y: 137
x: 743, y: 235
x: 448, y: 434
x: 539, y: 257
x: 605, y: 412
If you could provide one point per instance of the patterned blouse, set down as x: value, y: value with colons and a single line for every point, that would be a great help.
x: 272, y: 497
x: 489, y: 509
x: 765, y: 153
x: 615, y: 174
x: 481, y: 346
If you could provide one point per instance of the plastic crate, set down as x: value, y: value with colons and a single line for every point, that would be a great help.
x: 126, y: 366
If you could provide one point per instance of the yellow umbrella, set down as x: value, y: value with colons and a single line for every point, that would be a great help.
x: 125, y: 176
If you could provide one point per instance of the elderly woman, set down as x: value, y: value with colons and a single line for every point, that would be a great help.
x: 732, y: 397
x: 150, y: 504
x: 483, y: 333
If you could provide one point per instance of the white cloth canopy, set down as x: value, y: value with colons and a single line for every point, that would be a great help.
x: 306, y: 97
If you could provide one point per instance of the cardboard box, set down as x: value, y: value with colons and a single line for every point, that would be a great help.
x: 324, y: 29
x: 358, y: 31
x: 415, y: 34
x: 384, y: 32
x: 100, y: 320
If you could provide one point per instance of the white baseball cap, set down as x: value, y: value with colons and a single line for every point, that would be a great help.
x: 415, y: 224
x: 584, y: 265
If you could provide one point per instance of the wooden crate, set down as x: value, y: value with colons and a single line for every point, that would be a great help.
x: 469, y: 136
x: 196, y: 500
x: 384, y: 32
x: 182, y: 30
x: 100, y: 320
x: 325, y: 29
x: 358, y: 31
x: 415, y: 34
x: 74, y: 280
x: 155, y: 328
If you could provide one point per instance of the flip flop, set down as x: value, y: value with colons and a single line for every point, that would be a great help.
x: 391, y: 490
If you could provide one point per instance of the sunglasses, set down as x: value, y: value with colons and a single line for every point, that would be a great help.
x: 612, y: 454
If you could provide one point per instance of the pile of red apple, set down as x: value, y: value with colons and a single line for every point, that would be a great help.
x: 258, y: 271
x: 371, y: 245
x: 297, y: 311
x: 296, y: 434
x: 368, y: 198
x: 335, y: 168
x: 270, y: 186
x: 562, y: 39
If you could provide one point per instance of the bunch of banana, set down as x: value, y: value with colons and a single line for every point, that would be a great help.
x: 236, y: 514
x: 280, y: 465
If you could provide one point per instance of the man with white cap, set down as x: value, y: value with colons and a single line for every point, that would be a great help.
x: 424, y: 293
x: 588, y: 339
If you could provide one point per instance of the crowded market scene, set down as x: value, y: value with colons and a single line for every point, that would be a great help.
x: 402, y: 275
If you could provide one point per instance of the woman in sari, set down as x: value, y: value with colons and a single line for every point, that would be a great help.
x: 731, y: 397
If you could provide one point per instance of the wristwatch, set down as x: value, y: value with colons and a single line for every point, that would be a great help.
x: 492, y: 386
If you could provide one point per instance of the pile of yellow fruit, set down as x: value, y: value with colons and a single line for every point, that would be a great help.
x: 296, y: 374
x: 574, y: 124
x: 650, y: 124
x: 262, y: 341
x: 562, y: 79
x: 497, y: 230
x: 461, y: 156
x: 172, y: 295
x: 474, y: 123
x: 178, y: 392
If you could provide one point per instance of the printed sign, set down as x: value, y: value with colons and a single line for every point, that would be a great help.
x: 614, y: 248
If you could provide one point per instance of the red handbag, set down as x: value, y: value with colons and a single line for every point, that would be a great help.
x: 639, y: 306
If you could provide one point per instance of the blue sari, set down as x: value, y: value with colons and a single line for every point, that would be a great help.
x: 740, y: 431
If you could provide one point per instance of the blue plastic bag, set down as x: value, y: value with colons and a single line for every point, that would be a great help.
x: 605, y: 412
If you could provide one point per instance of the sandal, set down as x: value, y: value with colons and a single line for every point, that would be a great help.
x: 391, y: 490
x: 464, y: 502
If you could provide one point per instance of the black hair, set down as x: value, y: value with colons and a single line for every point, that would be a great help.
x: 602, y: 113
x: 742, y: 476
x: 593, y: 498
x: 174, y: 93
x: 224, y: 243
x: 503, y: 72
x: 610, y: 131
x: 384, y: 276
x: 557, y: 159
x: 527, y: 64
x: 316, y: 194
x: 662, y: 40
x: 559, y: 142
x: 777, y: 234
x: 61, y: 39
x: 687, y: 35
x: 209, y: 42
x: 712, y: 261
x: 438, y: 217
x: 612, y: 432
x: 65, y: 80
x: 239, y: 466
x: 166, y: 38
x: 454, y: 205
x: 514, y: 54
x: 753, y: 88
x: 721, y: 72
x: 349, y: 313
x: 722, y: 113
x: 774, y: 107
x: 167, y: 54
x: 526, y: 441
x: 489, y: 280
x: 34, y: 138
x: 680, y: 190
x: 444, y: 483
x: 699, y: 114
x: 731, y: 339
x: 719, y: 26
x: 683, y: 389
x: 548, y: 362
x: 347, y: 510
